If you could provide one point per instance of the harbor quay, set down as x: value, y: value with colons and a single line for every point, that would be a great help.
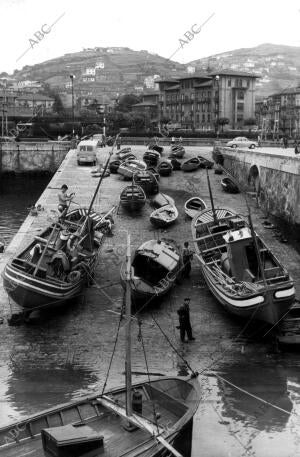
x: 250, y: 402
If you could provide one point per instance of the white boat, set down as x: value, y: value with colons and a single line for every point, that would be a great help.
x: 164, y: 216
x: 128, y: 168
x: 193, y: 205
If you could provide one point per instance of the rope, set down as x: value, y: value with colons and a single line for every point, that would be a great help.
x: 112, y: 355
x: 172, y: 346
x: 140, y: 338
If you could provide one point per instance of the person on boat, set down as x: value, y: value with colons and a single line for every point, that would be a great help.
x: 64, y: 199
x: 185, y: 321
x: 187, y: 256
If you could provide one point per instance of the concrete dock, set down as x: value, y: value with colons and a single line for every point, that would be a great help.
x: 67, y: 355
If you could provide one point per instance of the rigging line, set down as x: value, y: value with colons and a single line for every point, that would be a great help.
x: 282, y: 410
x: 112, y: 355
x: 141, y: 339
x: 172, y: 345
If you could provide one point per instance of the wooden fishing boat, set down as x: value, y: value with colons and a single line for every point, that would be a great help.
x: 56, y: 265
x: 191, y: 164
x: 175, y: 164
x: 205, y: 163
x: 117, y: 422
x: 239, y: 269
x: 177, y: 151
x: 164, y: 216
x: 147, y: 181
x: 193, y: 205
x: 128, y: 168
x: 165, y: 168
x: 114, y: 165
x: 125, y: 156
x: 123, y: 151
x: 155, y: 267
x: 151, y: 158
x: 228, y: 185
x: 162, y: 200
x: 133, y: 198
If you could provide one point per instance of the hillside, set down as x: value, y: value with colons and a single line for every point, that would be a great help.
x: 278, y: 65
x: 110, y: 71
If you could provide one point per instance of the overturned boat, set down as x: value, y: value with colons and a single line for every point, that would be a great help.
x: 239, y: 269
x: 165, y: 168
x: 191, y: 164
x: 228, y: 185
x: 151, y: 158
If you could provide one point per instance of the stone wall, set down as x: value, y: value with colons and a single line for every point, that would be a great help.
x: 23, y: 157
x: 274, y: 176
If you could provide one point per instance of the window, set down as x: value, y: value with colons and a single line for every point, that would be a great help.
x: 240, y: 95
x: 240, y: 106
x: 229, y: 83
x: 208, y: 118
x: 203, y: 117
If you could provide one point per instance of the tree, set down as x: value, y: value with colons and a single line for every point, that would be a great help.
x: 223, y: 121
x: 126, y: 101
x: 250, y: 122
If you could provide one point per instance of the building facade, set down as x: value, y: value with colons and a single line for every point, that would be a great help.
x: 204, y: 101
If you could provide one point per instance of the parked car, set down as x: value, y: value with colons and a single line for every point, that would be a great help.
x: 242, y: 142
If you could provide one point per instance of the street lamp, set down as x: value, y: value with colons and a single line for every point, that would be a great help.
x: 73, y: 117
x: 217, y: 99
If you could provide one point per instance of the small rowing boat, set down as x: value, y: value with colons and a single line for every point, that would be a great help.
x: 128, y: 168
x: 193, y: 206
x: 205, y: 163
x: 162, y: 200
x: 228, y: 185
x: 191, y: 164
x: 165, y: 168
x: 164, y: 216
x: 157, y: 148
x: 154, y: 171
x: 177, y: 151
x: 147, y: 181
x: 125, y: 156
x: 132, y: 198
x: 175, y: 164
x: 151, y: 157
x: 114, y: 165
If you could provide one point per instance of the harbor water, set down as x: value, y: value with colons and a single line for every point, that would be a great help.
x: 250, y: 392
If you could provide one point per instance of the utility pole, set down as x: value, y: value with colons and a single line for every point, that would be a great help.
x: 73, y: 116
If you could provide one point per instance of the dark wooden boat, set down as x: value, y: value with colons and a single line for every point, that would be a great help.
x: 228, y: 185
x: 191, y: 164
x: 239, y: 269
x: 55, y: 266
x: 165, y: 168
x: 129, y: 167
x: 151, y: 158
x: 147, y: 181
x: 133, y: 198
x: 118, y: 422
x: 164, y: 216
x: 177, y: 151
x: 193, y: 205
x: 205, y: 163
x: 157, y: 148
x: 162, y: 200
x: 154, y: 171
x: 114, y: 165
x: 175, y: 164
x: 155, y: 267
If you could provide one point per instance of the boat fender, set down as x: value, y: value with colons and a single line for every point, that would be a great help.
x: 225, y: 263
x: 71, y: 241
x: 74, y: 276
x: 137, y: 402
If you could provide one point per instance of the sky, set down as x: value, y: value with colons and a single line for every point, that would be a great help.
x: 154, y: 25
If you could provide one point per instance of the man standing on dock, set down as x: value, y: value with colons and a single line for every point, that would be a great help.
x: 64, y: 200
x: 184, y: 321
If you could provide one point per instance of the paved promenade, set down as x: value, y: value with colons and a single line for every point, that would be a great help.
x: 68, y: 354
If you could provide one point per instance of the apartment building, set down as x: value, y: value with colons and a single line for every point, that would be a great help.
x: 200, y: 101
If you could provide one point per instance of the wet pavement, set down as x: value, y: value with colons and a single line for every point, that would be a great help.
x: 67, y: 354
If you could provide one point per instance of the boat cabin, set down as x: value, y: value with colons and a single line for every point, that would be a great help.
x: 239, y: 253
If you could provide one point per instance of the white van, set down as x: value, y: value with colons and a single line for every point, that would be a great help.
x: 86, y: 152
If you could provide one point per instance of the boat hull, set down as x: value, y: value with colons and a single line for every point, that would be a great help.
x: 33, y: 293
x: 261, y: 306
x: 132, y: 205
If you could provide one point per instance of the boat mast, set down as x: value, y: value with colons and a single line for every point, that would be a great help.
x: 128, y: 330
x: 256, y: 247
x: 211, y: 199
